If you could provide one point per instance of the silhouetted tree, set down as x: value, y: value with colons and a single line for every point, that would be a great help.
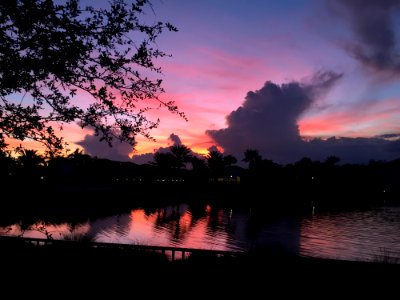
x: 163, y: 160
x: 7, y: 163
x: 197, y: 163
x: 332, y: 160
x: 252, y: 157
x: 29, y: 163
x: 50, y: 51
x: 215, y: 162
x: 78, y: 155
x: 181, y: 155
x: 229, y: 160
x: 304, y: 163
x: 80, y: 161
x: 30, y: 159
x: 199, y: 167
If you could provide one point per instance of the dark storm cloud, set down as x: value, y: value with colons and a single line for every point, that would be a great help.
x: 141, y: 159
x: 118, y: 152
x: 373, y: 24
x: 267, y: 121
x: 175, y: 140
x: 354, y: 150
x: 121, y: 151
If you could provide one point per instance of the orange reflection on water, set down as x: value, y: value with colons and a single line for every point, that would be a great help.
x: 177, y: 226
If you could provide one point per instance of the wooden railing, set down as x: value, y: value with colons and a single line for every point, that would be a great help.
x: 173, y: 253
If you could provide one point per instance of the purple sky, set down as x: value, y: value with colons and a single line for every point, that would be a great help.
x: 250, y: 74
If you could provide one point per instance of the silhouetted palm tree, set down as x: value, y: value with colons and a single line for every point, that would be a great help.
x: 163, y: 160
x: 30, y: 158
x: 30, y: 163
x: 198, y: 163
x: 253, y: 157
x: 181, y: 155
x: 79, y: 158
x: 215, y: 161
x: 77, y: 154
x: 229, y: 160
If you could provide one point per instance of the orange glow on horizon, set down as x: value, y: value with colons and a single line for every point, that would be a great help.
x: 201, y: 151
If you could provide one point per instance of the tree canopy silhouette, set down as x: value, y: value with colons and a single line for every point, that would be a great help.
x: 51, y: 54
x: 181, y: 155
x: 176, y: 158
x: 252, y: 156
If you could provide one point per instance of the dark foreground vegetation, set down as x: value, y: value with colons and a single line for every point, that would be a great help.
x: 79, y: 268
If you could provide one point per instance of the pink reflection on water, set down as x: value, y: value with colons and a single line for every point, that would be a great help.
x: 41, y: 230
x: 173, y: 226
x: 363, y: 235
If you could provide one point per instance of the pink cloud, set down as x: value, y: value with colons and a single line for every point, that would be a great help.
x: 211, y: 66
x: 366, y: 119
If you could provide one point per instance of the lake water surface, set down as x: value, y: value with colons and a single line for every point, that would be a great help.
x: 356, y: 235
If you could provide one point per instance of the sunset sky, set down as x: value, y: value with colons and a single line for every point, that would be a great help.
x: 331, y: 67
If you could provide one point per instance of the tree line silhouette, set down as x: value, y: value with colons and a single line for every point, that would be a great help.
x: 306, y: 181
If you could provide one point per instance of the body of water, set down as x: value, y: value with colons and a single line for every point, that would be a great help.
x: 358, y: 235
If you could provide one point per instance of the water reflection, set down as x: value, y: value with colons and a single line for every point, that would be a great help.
x: 346, y: 235
x: 44, y: 230
x: 361, y: 236
x: 183, y: 226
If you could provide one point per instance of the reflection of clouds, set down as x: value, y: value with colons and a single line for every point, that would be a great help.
x: 39, y: 230
x: 198, y: 226
x: 181, y: 226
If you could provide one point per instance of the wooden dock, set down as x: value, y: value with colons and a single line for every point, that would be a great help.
x: 173, y: 253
